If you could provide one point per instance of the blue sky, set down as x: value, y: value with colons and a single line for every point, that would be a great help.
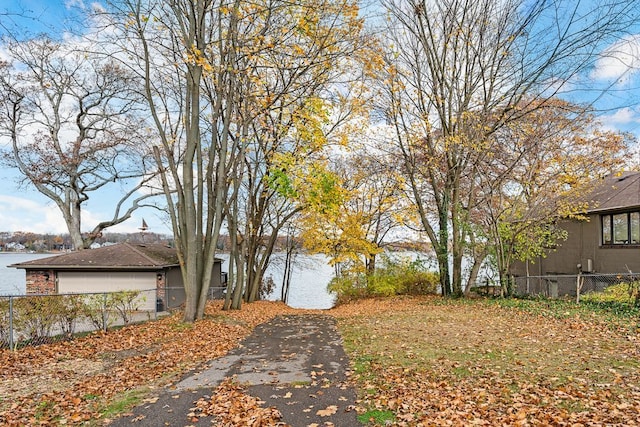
x: 27, y: 210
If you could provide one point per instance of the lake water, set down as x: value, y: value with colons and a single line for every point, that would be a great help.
x: 309, y: 281
x: 310, y: 277
x: 12, y: 280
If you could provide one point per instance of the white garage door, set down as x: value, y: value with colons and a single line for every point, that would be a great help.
x: 83, y: 282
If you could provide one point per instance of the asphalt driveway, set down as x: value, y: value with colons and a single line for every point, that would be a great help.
x: 295, y: 363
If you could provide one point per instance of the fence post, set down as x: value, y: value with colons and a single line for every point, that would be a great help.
x: 11, y: 323
x: 104, y: 312
x: 579, y: 281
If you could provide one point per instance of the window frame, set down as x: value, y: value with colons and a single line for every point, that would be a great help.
x: 608, y: 229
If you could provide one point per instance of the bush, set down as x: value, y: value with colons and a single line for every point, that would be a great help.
x: 410, y: 276
x: 622, y: 293
x: 125, y: 303
x: 4, y: 322
x: 97, y: 308
x: 102, y: 309
x: 71, y: 309
x: 34, y: 317
x: 396, y: 276
x: 348, y: 287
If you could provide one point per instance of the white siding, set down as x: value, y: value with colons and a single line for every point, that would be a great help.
x: 86, y: 282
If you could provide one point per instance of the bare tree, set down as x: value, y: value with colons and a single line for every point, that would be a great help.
x: 459, y: 70
x: 174, y: 47
x: 73, y: 130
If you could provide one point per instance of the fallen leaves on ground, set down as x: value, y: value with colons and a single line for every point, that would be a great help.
x: 72, y: 382
x: 328, y: 411
x: 476, y: 363
x: 230, y: 406
x: 428, y: 361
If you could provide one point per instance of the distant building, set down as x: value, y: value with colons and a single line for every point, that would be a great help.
x: 15, y: 246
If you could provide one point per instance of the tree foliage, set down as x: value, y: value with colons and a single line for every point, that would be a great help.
x: 240, y: 94
x: 542, y: 171
x: 254, y: 110
x: 461, y: 71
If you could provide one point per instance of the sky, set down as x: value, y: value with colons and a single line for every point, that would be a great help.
x: 24, y: 209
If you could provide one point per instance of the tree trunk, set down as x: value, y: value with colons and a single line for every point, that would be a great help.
x: 475, y: 270
x: 371, y: 264
x: 288, y: 268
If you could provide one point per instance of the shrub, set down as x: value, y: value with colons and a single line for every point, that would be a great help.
x: 382, y: 285
x: 267, y: 287
x: 621, y: 293
x: 410, y: 276
x: 97, y: 308
x: 4, y: 322
x: 125, y: 303
x: 395, y: 276
x: 34, y: 317
x: 71, y: 309
x: 348, y: 287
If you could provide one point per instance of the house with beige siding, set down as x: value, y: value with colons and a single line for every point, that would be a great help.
x: 152, y: 268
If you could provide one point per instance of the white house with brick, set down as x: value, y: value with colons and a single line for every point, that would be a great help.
x: 119, y: 267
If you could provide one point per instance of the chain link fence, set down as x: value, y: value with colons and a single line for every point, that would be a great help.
x: 175, y: 297
x: 570, y: 285
x: 39, y: 319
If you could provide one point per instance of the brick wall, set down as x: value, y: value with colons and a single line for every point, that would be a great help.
x: 41, y: 282
x: 160, y: 286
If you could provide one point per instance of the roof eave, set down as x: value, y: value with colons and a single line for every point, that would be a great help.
x: 613, y: 209
x: 93, y: 267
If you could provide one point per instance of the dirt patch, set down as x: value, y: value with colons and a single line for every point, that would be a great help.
x: 52, y: 377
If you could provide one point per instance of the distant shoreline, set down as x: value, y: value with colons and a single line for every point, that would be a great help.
x: 30, y: 253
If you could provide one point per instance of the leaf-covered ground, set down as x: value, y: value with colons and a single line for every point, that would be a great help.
x: 91, y: 378
x: 433, y: 362
x: 416, y: 361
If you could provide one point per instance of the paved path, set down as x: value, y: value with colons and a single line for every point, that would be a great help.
x: 294, y: 363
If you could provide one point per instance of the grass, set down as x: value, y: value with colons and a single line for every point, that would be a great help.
x: 507, y: 354
x: 42, y: 408
x: 611, y: 312
x: 376, y: 417
x: 123, y: 404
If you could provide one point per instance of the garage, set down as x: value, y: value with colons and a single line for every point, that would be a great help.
x: 90, y: 282
x: 151, y: 267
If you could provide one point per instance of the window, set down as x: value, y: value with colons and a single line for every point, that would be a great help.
x: 606, y: 230
x: 634, y: 227
x: 621, y: 229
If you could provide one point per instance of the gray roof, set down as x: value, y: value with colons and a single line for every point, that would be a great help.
x: 615, y: 192
x: 122, y: 256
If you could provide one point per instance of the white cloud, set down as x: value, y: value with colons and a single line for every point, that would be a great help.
x: 20, y: 214
x: 97, y: 7
x: 74, y: 3
x: 622, y: 116
x: 619, y: 61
